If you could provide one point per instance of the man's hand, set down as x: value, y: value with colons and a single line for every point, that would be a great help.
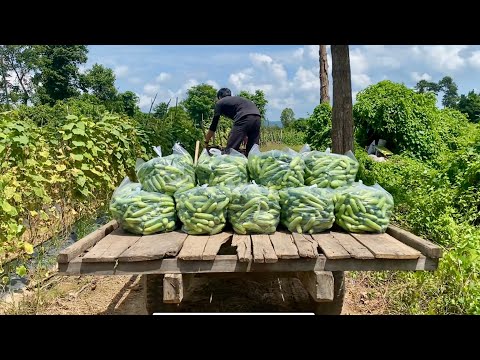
x: 208, y: 136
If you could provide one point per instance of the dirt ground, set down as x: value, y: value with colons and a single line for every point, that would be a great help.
x: 124, y: 295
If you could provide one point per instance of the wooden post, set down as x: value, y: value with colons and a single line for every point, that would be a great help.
x: 342, y: 115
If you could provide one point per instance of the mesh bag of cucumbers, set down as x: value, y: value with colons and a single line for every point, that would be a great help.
x: 307, y: 209
x: 142, y: 212
x: 360, y: 208
x: 221, y: 169
x: 203, y: 209
x: 254, y: 209
x: 167, y: 174
x: 276, y: 169
x: 326, y: 169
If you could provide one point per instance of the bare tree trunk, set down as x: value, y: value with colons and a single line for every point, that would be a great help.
x: 322, y: 53
x: 4, y: 80
x: 342, y: 116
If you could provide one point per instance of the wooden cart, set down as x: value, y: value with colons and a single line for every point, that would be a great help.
x: 169, y: 261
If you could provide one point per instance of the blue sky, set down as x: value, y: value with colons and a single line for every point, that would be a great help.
x: 288, y: 74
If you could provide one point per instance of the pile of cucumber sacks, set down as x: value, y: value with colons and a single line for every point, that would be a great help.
x: 305, y: 192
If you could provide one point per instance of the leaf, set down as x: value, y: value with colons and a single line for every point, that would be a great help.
x: 9, y: 209
x: 69, y: 126
x: 67, y: 136
x: 81, y: 125
x: 2, y: 147
x: 84, y: 192
x: 81, y: 180
x: 60, y: 167
x: 28, y: 248
x: 21, y: 271
x: 79, y: 132
x: 78, y: 143
x: 43, y: 215
x: 48, y: 162
x: 85, y: 167
x: 44, y: 154
x: 38, y: 191
x: 9, y: 192
x: 118, y: 155
x: 77, y: 157
x: 33, y: 213
x: 88, y: 156
x: 89, y: 144
x: 22, y: 139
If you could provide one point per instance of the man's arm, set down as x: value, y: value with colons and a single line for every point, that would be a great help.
x: 213, y: 126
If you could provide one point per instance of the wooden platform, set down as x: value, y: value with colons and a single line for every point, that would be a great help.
x: 110, y: 250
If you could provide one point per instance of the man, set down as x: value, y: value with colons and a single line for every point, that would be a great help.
x: 245, y: 116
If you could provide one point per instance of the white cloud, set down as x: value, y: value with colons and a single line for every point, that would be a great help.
x: 358, y: 61
x: 151, y: 89
x: 135, y: 80
x: 240, y: 78
x: 213, y: 83
x: 121, y: 71
x: 298, y: 54
x: 144, y: 102
x: 266, y: 62
x: 417, y: 76
x: 441, y: 57
x: 306, y: 80
x: 312, y: 51
x: 82, y: 69
x: 163, y: 76
x: 360, y: 80
x: 474, y: 59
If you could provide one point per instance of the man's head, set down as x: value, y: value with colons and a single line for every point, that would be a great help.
x: 223, y: 92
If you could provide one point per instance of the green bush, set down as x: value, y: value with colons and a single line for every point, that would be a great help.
x: 319, y: 128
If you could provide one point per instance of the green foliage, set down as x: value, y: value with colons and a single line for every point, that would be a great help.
x: 200, y: 101
x: 127, y: 103
x: 287, y: 117
x: 58, y: 75
x: 399, y: 115
x: 470, y: 105
x: 319, y: 127
x: 19, y: 60
x: 301, y: 124
x: 160, y: 110
x: 101, y: 81
x: 259, y: 99
x: 450, y: 94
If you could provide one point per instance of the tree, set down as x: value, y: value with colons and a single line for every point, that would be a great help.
x: 470, y: 105
x: 160, y: 110
x: 322, y: 56
x: 450, y: 94
x: 259, y: 99
x: 101, y: 81
x: 318, y: 132
x: 19, y: 60
x: 128, y: 102
x: 342, y: 117
x: 287, y: 117
x: 424, y: 86
x: 200, y: 102
x: 58, y: 76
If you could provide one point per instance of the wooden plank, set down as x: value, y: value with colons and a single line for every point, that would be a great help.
x: 110, y: 247
x: 152, y: 247
x: 319, y: 284
x: 284, y: 246
x: 384, y: 246
x: 175, y: 287
x: 307, y: 247
x: 69, y: 253
x: 263, y: 251
x: 230, y: 264
x: 213, y: 245
x: 426, y: 247
x: 193, y: 247
x: 330, y: 246
x: 244, y: 247
x: 349, y: 243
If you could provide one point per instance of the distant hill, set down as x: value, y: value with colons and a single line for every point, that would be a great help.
x: 273, y: 123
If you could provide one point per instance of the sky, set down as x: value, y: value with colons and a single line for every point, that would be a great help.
x: 288, y: 74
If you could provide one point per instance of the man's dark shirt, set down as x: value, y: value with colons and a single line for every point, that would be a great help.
x: 233, y: 107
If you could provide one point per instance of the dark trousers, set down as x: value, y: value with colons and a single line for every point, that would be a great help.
x: 248, y: 126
